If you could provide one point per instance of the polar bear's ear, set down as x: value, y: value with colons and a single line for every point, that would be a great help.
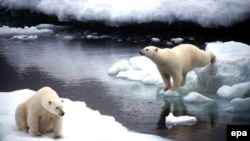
x: 156, y: 49
x: 50, y: 102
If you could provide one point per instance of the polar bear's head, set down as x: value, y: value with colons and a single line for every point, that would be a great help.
x: 149, y: 51
x: 55, y: 106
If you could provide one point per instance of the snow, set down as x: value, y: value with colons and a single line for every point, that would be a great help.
x: 80, y: 122
x: 231, y: 67
x: 235, y: 91
x: 207, y: 13
x: 196, y: 97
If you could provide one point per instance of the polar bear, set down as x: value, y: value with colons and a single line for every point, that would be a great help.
x: 41, y: 113
x: 177, y: 62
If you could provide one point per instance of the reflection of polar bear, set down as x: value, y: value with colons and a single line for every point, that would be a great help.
x: 177, y: 62
x: 41, y: 113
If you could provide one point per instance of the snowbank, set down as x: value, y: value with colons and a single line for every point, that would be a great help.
x: 119, y: 12
x: 80, y: 123
x: 231, y: 67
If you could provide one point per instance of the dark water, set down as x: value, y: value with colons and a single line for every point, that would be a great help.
x: 77, y: 69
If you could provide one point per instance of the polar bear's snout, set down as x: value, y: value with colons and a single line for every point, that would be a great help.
x: 141, y: 53
x: 61, y: 112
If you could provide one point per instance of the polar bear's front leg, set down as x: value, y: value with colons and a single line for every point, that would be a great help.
x: 166, y: 79
x: 33, y: 123
x: 184, y: 75
x: 177, y: 81
x: 57, y: 127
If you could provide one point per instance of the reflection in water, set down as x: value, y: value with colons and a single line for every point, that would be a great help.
x: 202, y: 130
x: 65, y: 61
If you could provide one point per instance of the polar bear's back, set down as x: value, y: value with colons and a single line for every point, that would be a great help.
x: 37, y: 98
x: 49, y: 92
x: 191, y: 56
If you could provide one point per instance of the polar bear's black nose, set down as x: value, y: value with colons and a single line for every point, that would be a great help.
x: 62, y: 114
x: 141, y: 53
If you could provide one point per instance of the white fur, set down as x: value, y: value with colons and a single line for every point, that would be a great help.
x: 41, y: 113
x: 177, y: 62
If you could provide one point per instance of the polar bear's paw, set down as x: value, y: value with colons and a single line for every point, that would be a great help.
x: 58, y: 136
x: 35, y: 133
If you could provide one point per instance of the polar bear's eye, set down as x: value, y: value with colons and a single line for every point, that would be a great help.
x: 146, y: 49
x: 57, y: 107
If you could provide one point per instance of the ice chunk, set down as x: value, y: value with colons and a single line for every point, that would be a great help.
x: 121, y: 65
x: 154, y: 39
x: 68, y: 37
x: 196, y: 97
x: 235, y: 91
x: 8, y: 31
x: 239, y: 104
x: 171, y: 120
x: 132, y: 74
x: 137, y: 68
x: 170, y: 93
x: 26, y: 37
x: 226, y: 48
x: 177, y: 40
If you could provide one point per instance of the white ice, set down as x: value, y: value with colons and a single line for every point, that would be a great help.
x: 207, y: 13
x: 239, y: 104
x: 171, y: 120
x: 177, y: 40
x: 155, y: 39
x: 235, y: 91
x: 33, y: 30
x: 137, y: 68
x: 25, y: 37
x: 80, y: 123
x: 196, y: 97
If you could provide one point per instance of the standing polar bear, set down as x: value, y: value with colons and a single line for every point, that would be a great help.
x: 41, y: 113
x: 177, y: 62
